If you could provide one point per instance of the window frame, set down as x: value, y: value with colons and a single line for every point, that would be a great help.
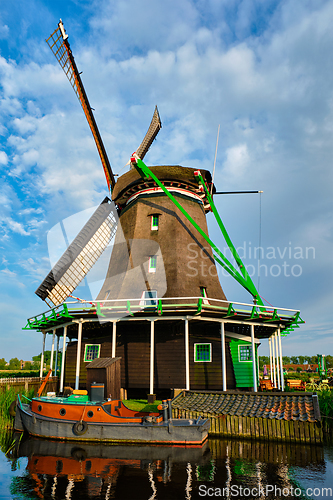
x: 152, y: 264
x: 210, y: 352
x: 154, y: 226
x: 85, y: 352
x: 152, y: 300
x: 203, y: 292
x: 248, y: 346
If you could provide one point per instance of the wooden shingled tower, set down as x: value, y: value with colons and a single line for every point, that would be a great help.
x: 161, y: 307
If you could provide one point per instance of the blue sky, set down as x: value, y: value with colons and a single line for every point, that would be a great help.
x: 261, y: 69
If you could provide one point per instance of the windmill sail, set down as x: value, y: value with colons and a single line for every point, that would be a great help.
x: 80, y: 256
x: 58, y: 43
x: 154, y: 128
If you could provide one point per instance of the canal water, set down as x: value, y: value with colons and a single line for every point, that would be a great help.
x: 38, y: 469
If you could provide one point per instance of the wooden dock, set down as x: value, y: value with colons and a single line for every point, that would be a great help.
x: 289, y: 417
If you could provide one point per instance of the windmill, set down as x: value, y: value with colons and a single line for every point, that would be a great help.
x: 162, y: 270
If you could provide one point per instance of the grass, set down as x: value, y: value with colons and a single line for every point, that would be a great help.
x: 6, y: 398
x: 142, y: 405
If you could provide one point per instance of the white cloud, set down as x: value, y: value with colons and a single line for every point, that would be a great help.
x: 16, y: 227
x: 3, y: 158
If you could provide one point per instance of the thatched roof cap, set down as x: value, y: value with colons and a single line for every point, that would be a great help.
x: 164, y: 173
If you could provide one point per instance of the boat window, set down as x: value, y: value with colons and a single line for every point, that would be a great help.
x: 90, y: 413
x: 91, y: 352
x: 244, y: 353
x: 62, y: 412
x: 202, y: 353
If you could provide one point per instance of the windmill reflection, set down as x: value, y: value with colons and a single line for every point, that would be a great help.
x: 63, y: 470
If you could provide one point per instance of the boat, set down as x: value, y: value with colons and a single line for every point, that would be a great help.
x: 78, y: 418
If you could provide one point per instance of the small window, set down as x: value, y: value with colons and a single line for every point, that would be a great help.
x: 203, y: 291
x: 244, y: 353
x: 154, y: 223
x: 202, y: 353
x: 148, y: 298
x: 152, y: 264
x: 91, y: 352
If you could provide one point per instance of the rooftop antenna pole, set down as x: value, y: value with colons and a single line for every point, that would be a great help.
x: 217, y: 143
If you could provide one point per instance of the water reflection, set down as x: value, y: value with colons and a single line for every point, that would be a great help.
x: 63, y: 470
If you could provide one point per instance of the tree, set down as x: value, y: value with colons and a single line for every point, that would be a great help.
x: 27, y: 365
x: 301, y: 360
x: 3, y: 363
x: 329, y: 361
x: 294, y: 360
x: 47, y: 360
x: 14, y: 364
x: 286, y: 360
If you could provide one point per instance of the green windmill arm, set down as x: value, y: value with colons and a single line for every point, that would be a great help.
x: 244, y: 278
x: 250, y: 285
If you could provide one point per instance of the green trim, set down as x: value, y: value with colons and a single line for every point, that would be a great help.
x: 201, y: 353
x: 86, y: 349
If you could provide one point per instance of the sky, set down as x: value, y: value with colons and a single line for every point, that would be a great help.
x: 261, y: 69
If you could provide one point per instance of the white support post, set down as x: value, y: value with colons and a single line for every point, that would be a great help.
x: 152, y: 343
x: 187, y: 356
x: 273, y: 358
x: 281, y: 360
x: 78, y: 356
x: 254, y: 362
x: 277, y: 360
x: 52, y: 348
x: 270, y: 359
x: 56, y: 358
x: 61, y: 387
x: 224, y: 367
x: 114, y: 332
x: 42, y: 357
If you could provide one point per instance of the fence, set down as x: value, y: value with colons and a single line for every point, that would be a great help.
x: 28, y: 383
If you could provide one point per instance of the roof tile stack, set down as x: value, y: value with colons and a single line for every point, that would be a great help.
x: 281, y: 406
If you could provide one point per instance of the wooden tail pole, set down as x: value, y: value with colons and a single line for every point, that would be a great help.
x: 42, y: 387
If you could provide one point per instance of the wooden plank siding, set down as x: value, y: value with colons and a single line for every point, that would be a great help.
x: 133, y: 345
x: 242, y: 369
x: 259, y: 429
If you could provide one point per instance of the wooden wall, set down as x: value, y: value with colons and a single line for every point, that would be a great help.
x: 133, y: 345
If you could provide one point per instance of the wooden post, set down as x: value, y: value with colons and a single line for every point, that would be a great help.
x: 114, y: 331
x: 187, y: 357
x: 281, y: 360
x: 254, y: 371
x: 152, y: 341
x: 56, y: 357
x: 270, y: 359
x: 42, y: 357
x: 61, y: 388
x: 273, y: 357
x: 224, y: 368
x: 277, y: 360
x: 78, y: 356
x: 52, y: 348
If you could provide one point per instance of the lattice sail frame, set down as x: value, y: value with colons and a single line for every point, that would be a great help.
x: 154, y: 128
x: 80, y: 256
x: 58, y: 43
